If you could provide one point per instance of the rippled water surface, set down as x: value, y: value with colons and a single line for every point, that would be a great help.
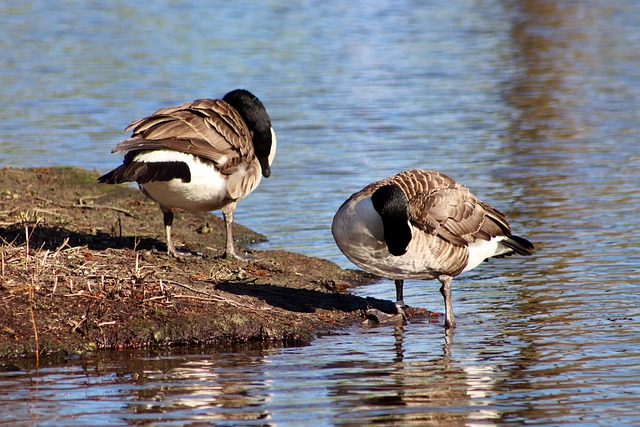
x: 532, y: 104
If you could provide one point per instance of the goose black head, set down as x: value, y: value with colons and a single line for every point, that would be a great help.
x: 391, y: 204
x: 255, y: 116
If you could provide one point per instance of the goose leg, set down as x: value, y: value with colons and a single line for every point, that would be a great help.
x: 168, y: 222
x: 445, y: 290
x: 230, y: 250
x: 400, y: 299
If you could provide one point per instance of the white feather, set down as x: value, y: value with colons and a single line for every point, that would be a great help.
x: 207, y: 190
x: 272, y: 153
x: 480, y: 250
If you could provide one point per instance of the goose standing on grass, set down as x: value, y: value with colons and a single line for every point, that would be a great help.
x: 199, y: 156
x: 421, y: 224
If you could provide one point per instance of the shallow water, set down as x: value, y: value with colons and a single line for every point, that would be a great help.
x: 532, y: 104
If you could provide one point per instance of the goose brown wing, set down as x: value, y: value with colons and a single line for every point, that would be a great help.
x: 207, y: 128
x: 456, y: 215
x: 419, y: 181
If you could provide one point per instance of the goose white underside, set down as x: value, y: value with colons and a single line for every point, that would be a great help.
x: 374, y: 257
x: 206, y: 191
x: 481, y: 250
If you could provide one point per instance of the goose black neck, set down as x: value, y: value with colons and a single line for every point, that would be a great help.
x: 393, y: 207
x: 255, y: 116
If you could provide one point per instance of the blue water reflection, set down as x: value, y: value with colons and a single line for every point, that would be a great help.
x: 532, y: 104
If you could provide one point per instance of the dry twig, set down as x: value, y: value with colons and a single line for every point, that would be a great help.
x: 82, y: 206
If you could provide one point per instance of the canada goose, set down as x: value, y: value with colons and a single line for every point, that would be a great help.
x: 199, y: 156
x: 421, y: 224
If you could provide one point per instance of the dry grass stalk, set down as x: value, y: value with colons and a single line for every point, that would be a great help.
x: 31, y: 299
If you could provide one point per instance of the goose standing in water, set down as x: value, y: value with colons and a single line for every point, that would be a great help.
x: 199, y: 156
x: 421, y: 224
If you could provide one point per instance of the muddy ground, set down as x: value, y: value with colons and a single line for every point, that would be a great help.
x: 84, y: 267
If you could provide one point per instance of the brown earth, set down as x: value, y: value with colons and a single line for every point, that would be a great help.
x: 84, y: 267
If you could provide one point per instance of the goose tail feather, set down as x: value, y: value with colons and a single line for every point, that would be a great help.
x: 519, y: 245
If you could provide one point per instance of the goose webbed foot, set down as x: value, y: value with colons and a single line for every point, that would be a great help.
x: 241, y: 257
x: 377, y: 317
x: 171, y: 248
x: 401, y: 312
x: 182, y: 253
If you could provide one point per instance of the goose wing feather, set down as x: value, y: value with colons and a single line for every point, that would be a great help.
x: 207, y: 128
x: 440, y: 206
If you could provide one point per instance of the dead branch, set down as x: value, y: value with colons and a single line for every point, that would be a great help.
x: 211, y: 298
x: 81, y: 206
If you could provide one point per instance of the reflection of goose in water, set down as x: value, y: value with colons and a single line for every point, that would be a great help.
x: 421, y: 224
x: 414, y: 389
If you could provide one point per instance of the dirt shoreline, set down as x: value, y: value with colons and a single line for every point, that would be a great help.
x: 83, y: 268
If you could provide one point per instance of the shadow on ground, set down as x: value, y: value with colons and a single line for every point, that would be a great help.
x: 305, y: 300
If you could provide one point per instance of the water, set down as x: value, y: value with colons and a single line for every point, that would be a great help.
x: 534, y: 105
